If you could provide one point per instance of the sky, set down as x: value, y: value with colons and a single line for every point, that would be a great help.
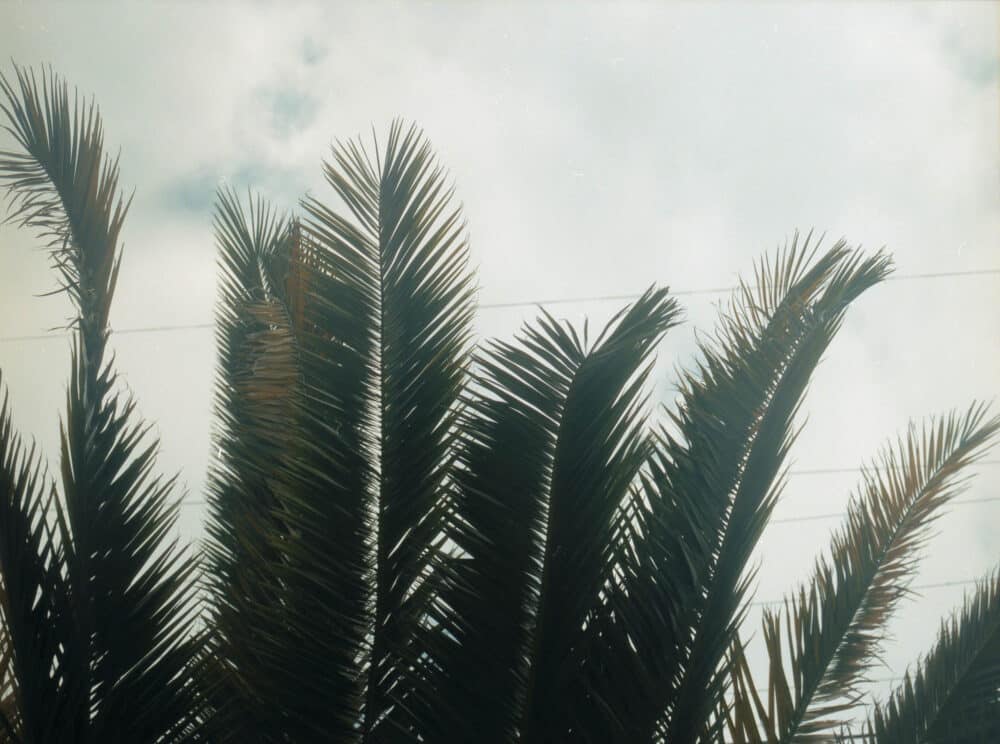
x: 596, y: 148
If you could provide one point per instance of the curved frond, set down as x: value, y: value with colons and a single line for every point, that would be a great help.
x: 130, y: 587
x: 709, y: 493
x: 256, y: 377
x: 398, y: 306
x: 827, y: 638
x: 61, y: 185
x: 258, y: 433
x: 554, y: 439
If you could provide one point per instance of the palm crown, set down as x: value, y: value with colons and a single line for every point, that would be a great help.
x: 412, y: 536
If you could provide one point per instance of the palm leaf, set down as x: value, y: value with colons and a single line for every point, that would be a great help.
x: 833, y: 625
x: 954, y: 695
x: 287, y: 628
x: 254, y: 406
x: 708, y: 492
x: 394, y: 294
x: 554, y: 437
x: 129, y: 587
x: 378, y: 309
x: 38, y: 656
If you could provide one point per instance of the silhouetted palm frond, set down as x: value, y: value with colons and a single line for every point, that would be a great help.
x: 350, y: 496
x: 820, y: 648
x: 553, y: 437
x: 710, y: 484
x: 954, y: 695
x: 127, y: 595
x: 38, y: 624
x: 255, y: 390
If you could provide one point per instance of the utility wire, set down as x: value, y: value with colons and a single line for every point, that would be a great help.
x: 526, y: 303
x: 841, y: 515
x: 722, y: 290
x: 938, y: 585
x: 810, y: 518
x: 829, y: 471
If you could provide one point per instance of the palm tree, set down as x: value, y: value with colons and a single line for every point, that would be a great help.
x: 416, y: 539
x: 95, y: 609
x: 413, y: 537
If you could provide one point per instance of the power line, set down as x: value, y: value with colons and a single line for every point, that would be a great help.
x: 119, y: 332
x: 872, y: 681
x: 526, y: 303
x: 807, y: 518
x: 841, y: 515
x: 938, y: 585
x: 722, y: 290
x: 830, y: 471
x: 942, y: 274
x: 810, y: 518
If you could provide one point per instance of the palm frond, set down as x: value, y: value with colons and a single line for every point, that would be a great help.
x: 254, y: 386
x: 708, y: 493
x: 40, y: 692
x: 954, y: 695
x: 554, y: 437
x: 831, y: 628
x: 129, y: 587
x: 61, y: 185
x: 289, y: 627
x: 399, y: 306
x: 330, y: 504
x: 256, y: 390
x: 377, y: 311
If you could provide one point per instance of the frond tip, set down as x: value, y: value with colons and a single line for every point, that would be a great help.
x: 713, y: 485
x: 62, y: 185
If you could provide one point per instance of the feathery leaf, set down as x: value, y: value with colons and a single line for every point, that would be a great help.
x: 710, y: 493
x: 831, y: 628
x: 954, y: 695
x: 128, y: 586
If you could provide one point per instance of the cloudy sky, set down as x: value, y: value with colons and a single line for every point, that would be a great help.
x: 597, y: 148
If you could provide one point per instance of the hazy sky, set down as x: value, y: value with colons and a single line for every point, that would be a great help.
x: 597, y: 148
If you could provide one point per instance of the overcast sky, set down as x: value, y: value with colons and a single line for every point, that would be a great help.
x: 597, y: 148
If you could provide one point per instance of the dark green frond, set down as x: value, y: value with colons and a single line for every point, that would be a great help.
x: 38, y: 658
x: 367, y: 342
x: 62, y: 186
x: 330, y: 500
x: 709, y: 492
x: 129, y: 586
x: 954, y: 695
x: 398, y: 306
x: 258, y: 380
x: 554, y: 437
x: 828, y: 636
